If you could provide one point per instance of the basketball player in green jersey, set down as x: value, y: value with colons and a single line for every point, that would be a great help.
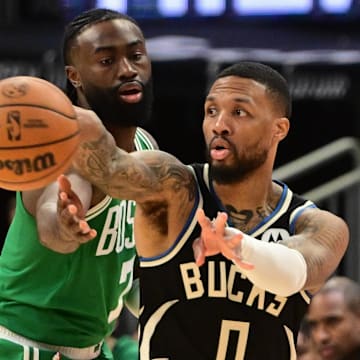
x: 64, y: 279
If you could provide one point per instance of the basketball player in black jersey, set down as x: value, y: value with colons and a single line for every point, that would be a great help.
x: 233, y: 284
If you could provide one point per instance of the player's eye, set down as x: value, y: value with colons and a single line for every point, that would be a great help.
x: 106, y: 61
x: 332, y: 321
x: 211, y: 111
x: 137, y: 56
x: 239, y: 112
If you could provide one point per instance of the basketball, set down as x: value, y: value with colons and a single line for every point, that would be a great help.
x: 39, y: 133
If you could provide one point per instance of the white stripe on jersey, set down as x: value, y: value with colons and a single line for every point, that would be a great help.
x: 290, y: 337
x: 26, y: 353
x: 140, y: 134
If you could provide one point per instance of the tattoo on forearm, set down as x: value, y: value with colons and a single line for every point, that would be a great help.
x: 130, y: 176
x: 175, y: 177
x: 91, y: 159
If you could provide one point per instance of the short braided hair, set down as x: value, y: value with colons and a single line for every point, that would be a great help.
x: 76, y: 27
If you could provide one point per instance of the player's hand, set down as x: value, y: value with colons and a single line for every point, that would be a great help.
x: 215, y: 238
x: 73, y: 229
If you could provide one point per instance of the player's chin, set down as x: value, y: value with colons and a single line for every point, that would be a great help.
x: 328, y: 352
x: 221, y: 163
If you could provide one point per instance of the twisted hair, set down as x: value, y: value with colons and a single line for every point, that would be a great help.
x: 76, y: 27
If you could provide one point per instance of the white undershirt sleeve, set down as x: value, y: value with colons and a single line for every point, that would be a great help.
x: 277, y: 268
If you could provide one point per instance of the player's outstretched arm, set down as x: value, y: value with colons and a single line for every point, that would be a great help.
x: 60, y: 215
x: 265, y: 264
x: 144, y: 176
x: 304, y: 261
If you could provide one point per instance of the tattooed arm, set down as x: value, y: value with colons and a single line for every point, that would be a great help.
x: 144, y: 176
x: 322, y: 238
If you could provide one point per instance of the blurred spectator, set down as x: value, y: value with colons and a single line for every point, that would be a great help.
x: 334, y: 319
x: 305, y: 348
x: 126, y: 347
x: 124, y: 342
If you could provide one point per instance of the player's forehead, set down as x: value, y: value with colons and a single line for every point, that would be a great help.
x: 235, y: 86
x: 231, y: 90
x: 327, y: 305
x: 108, y: 32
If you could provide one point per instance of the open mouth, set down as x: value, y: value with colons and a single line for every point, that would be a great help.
x: 131, y: 94
x: 219, y: 152
x: 219, y: 149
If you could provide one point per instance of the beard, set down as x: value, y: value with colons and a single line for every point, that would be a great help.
x: 242, y: 166
x: 113, y: 111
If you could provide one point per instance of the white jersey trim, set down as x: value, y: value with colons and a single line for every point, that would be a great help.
x: 140, y: 134
x: 87, y: 353
x: 98, y: 208
x: 291, y: 340
x: 305, y: 296
x: 150, y: 328
x: 299, y: 209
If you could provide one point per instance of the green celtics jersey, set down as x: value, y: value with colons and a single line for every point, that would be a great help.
x: 69, y: 300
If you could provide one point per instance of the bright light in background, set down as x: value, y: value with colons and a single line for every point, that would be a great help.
x: 210, y: 7
x: 118, y: 5
x: 335, y: 6
x: 272, y: 7
x: 173, y: 8
x: 180, y: 8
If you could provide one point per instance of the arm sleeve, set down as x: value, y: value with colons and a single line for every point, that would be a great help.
x: 277, y: 268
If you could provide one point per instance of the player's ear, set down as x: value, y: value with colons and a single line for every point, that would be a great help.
x: 282, y: 126
x: 73, y: 75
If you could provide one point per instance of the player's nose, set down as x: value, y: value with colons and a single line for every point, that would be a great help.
x: 126, y: 69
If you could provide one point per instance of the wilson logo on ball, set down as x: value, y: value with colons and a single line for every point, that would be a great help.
x: 39, y: 133
x: 22, y: 166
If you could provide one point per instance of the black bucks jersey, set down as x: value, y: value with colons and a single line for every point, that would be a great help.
x: 214, y: 312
